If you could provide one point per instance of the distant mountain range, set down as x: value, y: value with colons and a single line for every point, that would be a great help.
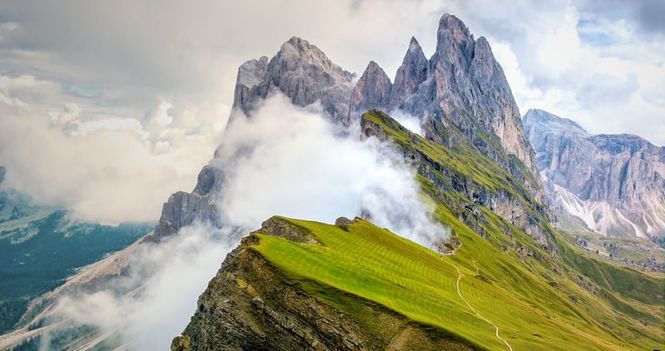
x: 614, y: 183
x: 41, y: 246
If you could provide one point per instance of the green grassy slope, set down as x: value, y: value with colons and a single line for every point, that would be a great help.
x: 541, y: 298
x: 379, y: 266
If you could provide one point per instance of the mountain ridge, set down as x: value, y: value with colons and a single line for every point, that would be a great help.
x: 615, y: 183
x: 305, y: 75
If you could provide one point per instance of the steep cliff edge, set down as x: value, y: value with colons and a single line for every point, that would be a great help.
x: 308, y: 285
x: 614, y: 183
x: 252, y: 304
x: 461, y: 86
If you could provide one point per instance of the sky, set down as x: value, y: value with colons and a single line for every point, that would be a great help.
x: 101, y: 102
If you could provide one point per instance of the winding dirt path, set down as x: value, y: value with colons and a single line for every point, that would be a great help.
x: 496, y: 328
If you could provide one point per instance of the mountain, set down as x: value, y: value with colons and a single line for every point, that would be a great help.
x: 461, y: 96
x: 295, y: 284
x: 508, y: 279
x: 614, y: 183
x: 41, y: 246
x: 461, y: 86
x: 302, y: 72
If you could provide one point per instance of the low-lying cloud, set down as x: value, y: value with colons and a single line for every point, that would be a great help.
x: 281, y: 161
x: 152, y: 304
x: 103, y: 169
x: 289, y: 161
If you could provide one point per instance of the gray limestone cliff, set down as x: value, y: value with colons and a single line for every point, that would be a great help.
x: 615, y: 183
x: 303, y: 73
x: 461, y: 86
x: 460, y: 93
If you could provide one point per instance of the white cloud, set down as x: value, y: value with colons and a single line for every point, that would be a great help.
x: 168, y: 279
x: 304, y: 170
x: 289, y: 161
x: 104, y: 168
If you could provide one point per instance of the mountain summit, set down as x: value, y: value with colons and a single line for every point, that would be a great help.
x: 460, y: 95
x: 303, y: 73
x: 461, y: 86
x: 614, y: 183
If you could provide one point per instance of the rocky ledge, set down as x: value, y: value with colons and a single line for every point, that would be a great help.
x: 252, y: 305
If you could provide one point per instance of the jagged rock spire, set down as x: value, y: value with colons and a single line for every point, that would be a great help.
x: 410, y: 75
x: 372, y: 90
x: 462, y: 84
x: 303, y: 73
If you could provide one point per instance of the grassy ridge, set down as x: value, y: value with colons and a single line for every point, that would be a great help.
x: 376, y: 265
x: 540, y: 299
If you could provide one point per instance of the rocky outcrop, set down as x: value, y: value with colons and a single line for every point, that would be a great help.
x: 184, y: 208
x: 614, y: 183
x: 303, y: 73
x: 461, y: 173
x: 413, y: 71
x: 373, y: 89
x: 461, y: 86
x: 252, y: 305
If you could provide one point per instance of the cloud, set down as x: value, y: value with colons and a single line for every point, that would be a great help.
x: 105, y: 169
x: 283, y: 160
x: 159, y: 294
x: 289, y: 161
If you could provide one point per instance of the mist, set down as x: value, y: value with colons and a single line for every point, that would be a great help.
x: 283, y: 160
x: 290, y: 161
x: 153, y: 303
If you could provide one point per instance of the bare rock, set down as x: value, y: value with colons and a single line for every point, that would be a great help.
x: 303, y: 73
x: 614, y: 183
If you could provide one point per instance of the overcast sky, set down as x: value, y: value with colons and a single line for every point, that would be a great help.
x: 101, y: 101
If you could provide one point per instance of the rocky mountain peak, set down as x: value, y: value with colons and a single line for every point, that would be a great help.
x: 452, y: 29
x: 454, y: 42
x: 297, y: 52
x: 460, y: 85
x: 614, y: 183
x: 535, y: 118
x: 409, y: 76
x: 303, y: 73
x: 414, y: 47
x: 372, y: 89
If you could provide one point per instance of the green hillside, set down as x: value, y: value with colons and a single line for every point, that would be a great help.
x: 541, y: 294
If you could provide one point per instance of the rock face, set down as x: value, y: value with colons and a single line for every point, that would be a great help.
x: 460, y: 86
x: 250, y: 305
x: 300, y: 71
x: 409, y: 76
x: 373, y: 89
x: 462, y: 173
x: 615, y: 183
x: 184, y: 208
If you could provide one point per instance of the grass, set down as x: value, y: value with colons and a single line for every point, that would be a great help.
x: 557, y: 298
x: 377, y: 265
